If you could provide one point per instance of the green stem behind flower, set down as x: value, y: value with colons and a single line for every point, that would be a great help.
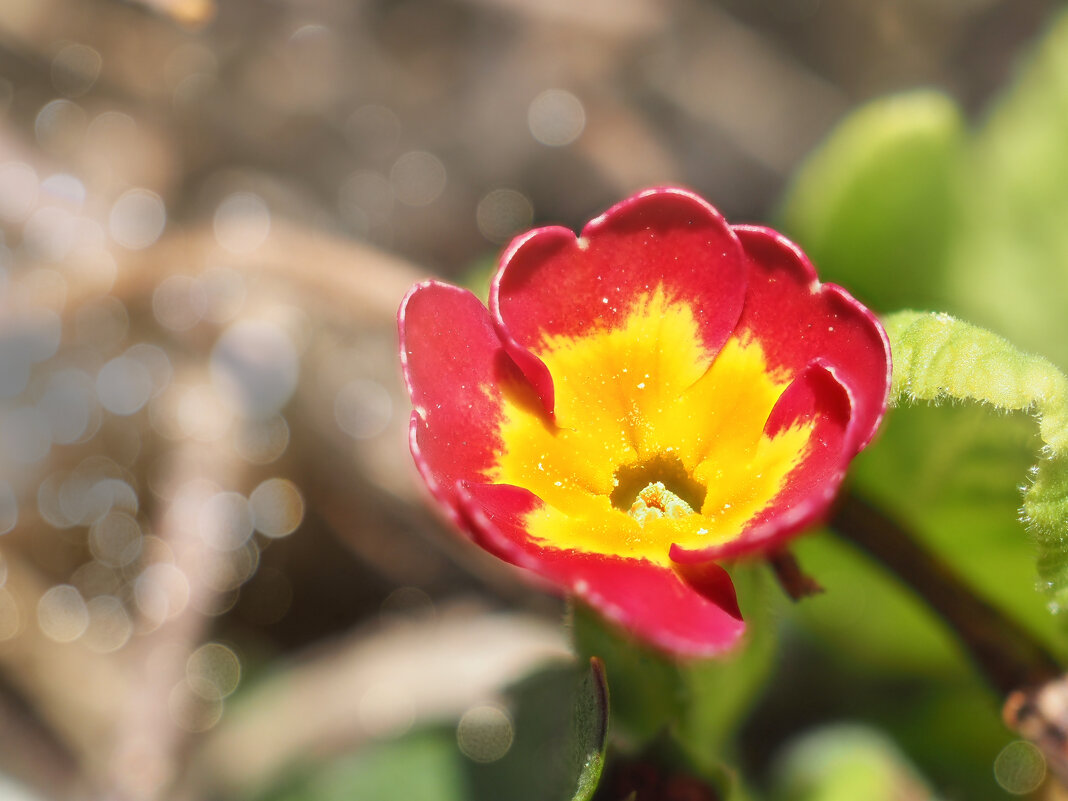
x: 1008, y: 656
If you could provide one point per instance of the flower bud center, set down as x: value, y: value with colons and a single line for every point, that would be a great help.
x: 656, y: 501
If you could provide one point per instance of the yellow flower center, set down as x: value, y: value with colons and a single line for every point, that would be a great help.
x: 652, y: 445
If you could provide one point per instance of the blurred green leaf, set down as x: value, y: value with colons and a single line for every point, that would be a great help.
x: 866, y: 617
x: 421, y: 767
x: 906, y: 208
x: 874, y: 206
x: 847, y: 763
x: 561, y: 730
x: 551, y: 747
x: 1009, y: 266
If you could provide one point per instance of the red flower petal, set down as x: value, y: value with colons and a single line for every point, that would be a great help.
x: 692, y: 612
x: 552, y: 284
x: 816, y: 396
x: 456, y: 371
x: 797, y: 319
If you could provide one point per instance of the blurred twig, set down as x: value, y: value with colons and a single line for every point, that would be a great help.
x: 73, y: 689
x: 1008, y: 656
x: 1015, y: 664
x: 144, y: 756
x: 371, y: 684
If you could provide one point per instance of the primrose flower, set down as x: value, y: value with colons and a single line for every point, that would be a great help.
x: 641, y: 403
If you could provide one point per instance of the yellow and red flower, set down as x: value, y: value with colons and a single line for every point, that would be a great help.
x: 640, y: 403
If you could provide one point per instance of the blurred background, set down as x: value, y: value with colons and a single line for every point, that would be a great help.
x: 216, y: 565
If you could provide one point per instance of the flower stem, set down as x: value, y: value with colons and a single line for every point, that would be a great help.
x: 1009, y: 656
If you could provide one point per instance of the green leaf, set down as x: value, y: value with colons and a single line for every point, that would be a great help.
x: 561, y: 730
x: 589, y: 731
x: 1009, y: 267
x: 866, y: 617
x: 846, y: 763
x: 560, y: 736
x: 554, y: 749
x: 907, y: 208
x: 938, y: 358
x: 874, y: 206
x: 421, y: 767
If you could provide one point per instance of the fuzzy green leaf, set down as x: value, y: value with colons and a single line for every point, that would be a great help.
x: 939, y: 358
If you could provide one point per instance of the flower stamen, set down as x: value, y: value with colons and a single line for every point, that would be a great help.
x: 657, y: 501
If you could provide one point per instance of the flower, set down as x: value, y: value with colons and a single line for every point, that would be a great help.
x: 639, y: 404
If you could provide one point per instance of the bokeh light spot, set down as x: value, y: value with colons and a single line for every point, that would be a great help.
x: 485, y: 733
x: 25, y: 435
x: 277, y: 507
x: 230, y: 570
x: 407, y: 603
x: 178, y: 303
x: 213, y: 671
x: 95, y: 579
x: 224, y: 293
x: 193, y: 712
x: 109, y: 625
x: 201, y: 414
x: 64, y: 188
x: 67, y: 405
x: 262, y: 441
x: 137, y: 219
x: 75, y: 69
x: 123, y: 385
x: 255, y: 365
x: 1020, y: 768
x: 502, y: 214
x: 50, y: 233
x: 556, y: 117
x: 417, y: 178
x: 62, y: 614
x: 225, y: 521
x: 60, y: 126
x: 115, y: 539
x: 156, y: 361
x: 161, y: 592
